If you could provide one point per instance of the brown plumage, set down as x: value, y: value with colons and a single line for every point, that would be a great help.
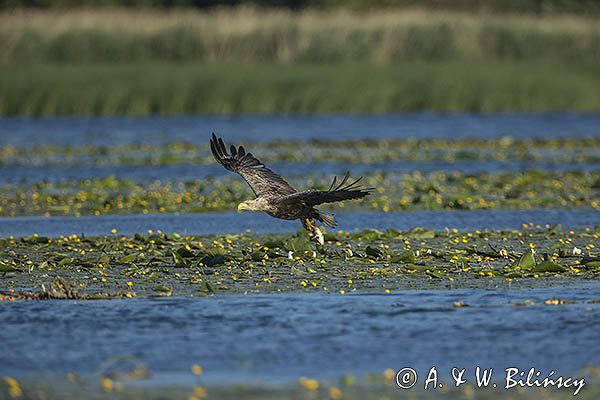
x: 278, y: 198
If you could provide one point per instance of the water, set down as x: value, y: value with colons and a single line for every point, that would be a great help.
x: 17, y: 174
x: 276, y: 338
x: 235, y: 223
x: 107, y: 131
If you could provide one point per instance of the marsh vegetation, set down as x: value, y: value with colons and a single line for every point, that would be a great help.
x: 247, y: 60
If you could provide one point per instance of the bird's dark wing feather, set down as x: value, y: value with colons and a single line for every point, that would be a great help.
x: 261, y: 179
x: 343, y: 191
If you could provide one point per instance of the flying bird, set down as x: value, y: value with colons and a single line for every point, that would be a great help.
x: 278, y: 198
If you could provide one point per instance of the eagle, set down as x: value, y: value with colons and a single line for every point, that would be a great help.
x: 276, y: 197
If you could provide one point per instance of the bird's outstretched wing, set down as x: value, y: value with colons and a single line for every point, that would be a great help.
x: 261, y: 179
x: 343, y: 191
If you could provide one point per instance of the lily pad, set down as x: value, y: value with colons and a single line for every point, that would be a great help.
x: 548, y: 266
x: 421, y: 233
x: 593, y: 264
x: 211, y: 261
x: 7, y: 268
x: 373, y: 252
x: 178, y: 260
x: 526, y: 261
x: 127, y: 259
x: 405, y: 257
x: 299, y: 244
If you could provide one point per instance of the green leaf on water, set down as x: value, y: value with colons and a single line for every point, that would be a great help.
x: 330, y: 237
x: 65, y: 261
x: 421, y: 233
x: 420, y: 268
x: 211, y: 261
x: 374, y: 252
x: 103, y: 259
x: 437, y: 273
x: 158, y: 239
x: 127, y: 259
x: 178, y: 260
x: 162, y: 288
x: 273, y: 244
x: 207, y: 287
x: 7, y: 268
x: 174, y: 236
x: 526, y: 261
x: 185, y: 253
x: 548, y: 266
x: 405, y: 257
x: 257, y: 255
x: 593, y: 264
x: 299, y: 244
x: 369, y: 235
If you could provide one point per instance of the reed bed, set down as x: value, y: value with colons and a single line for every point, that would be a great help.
x: 250, y: 60
x: 193, y: 88
x: 247, y: 34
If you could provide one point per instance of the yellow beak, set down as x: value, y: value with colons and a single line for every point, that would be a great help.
x: 242, y: 207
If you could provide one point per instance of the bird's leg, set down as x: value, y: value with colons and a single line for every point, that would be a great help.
x: 314, y: 231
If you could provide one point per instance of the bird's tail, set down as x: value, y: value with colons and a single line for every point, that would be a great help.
x: 325, y: 218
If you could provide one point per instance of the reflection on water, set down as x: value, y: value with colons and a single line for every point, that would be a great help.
x: 107, y: 131
x: 231, y: 222
x: 276, y: 338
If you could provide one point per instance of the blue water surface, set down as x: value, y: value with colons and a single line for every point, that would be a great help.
x: 273, y: 339
x: 108, y: 131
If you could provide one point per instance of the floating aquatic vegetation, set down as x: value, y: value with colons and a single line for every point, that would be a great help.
x: 549, y: 150
x: 159, y: 264
x: 60, y: 289
x: 395, y: 192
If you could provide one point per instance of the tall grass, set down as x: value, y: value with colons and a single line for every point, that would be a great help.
x: 226, y: 61
x: 252, y: 35
x: 188, y: 88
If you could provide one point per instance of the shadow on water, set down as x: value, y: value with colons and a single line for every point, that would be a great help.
x: 273, y: 339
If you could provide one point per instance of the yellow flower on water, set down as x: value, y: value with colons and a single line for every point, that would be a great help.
x: 130, y: 284
x: 389, y: 374
x: 106, y: 384
x: 342, y: 291
x: 14, y: 390
x: 199, y: 392
x: 335, y: 393
x: 113, y: 231
x: 308, y: 383
x: 196, y: 369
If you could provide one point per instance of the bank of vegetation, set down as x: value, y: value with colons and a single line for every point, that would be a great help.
x: 246, y: 59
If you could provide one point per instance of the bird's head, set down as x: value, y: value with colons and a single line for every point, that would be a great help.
x: 246, y: 206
